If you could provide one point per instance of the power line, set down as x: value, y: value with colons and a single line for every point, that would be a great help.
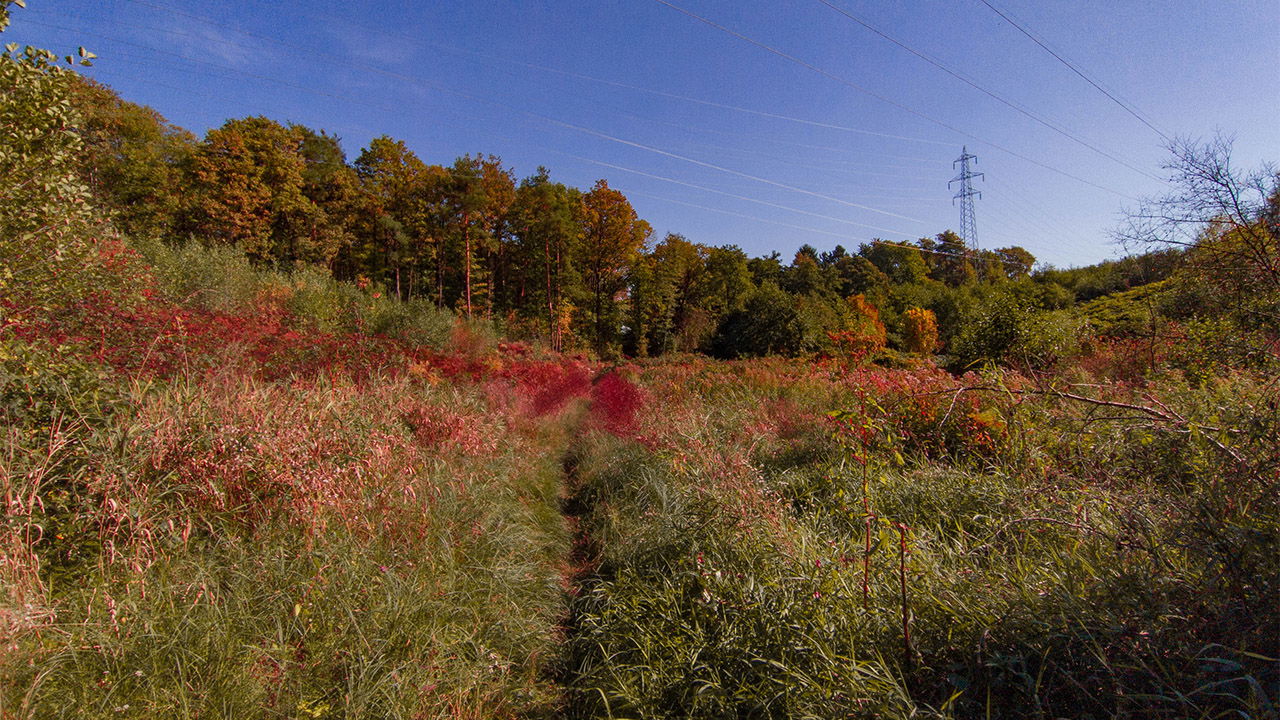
x: 571, y: 126
x: 850, y: 167
x: 634, y: 192
x: 748, y: 176
x: 894, y: 103
x: 989, y: 93
x: 378, y: 69
x: 703, y: 188
x: 489, y: 58
x: 628, y: 114
x: 362, y: 104
x: 630, y: 191
x: 1127, y: 107
x: 590, y: 78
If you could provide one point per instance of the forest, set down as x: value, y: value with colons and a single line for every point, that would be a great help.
x: 576, y: 269
x: 289, y: 435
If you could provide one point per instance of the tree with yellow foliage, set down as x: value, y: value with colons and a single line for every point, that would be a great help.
x: 920, y: 331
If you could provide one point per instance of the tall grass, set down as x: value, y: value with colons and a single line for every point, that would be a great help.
x: 1027, y: 558
x: 248, y: 506
x: 221, y: 279
x: 224, y: 546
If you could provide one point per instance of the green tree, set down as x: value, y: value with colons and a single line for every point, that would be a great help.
x: 543, y: 221
x: 952, y: 260
x: 669, y: 298
x: 728, y: 280
x: 901, y: 263
x: 768, y: 324
x: 766, y: 269
x: 479, y: 194
x: 247, y: 187
x: 133, y: 160
x: 401, y: 233
x: 805, y: 275
x: 1016, y: 261
x: 856, y: 275
x: 54, y: 244
x: 333, y: 189
x: 611, y: 235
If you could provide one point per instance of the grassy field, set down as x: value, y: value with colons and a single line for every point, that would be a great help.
x: 236, y: 496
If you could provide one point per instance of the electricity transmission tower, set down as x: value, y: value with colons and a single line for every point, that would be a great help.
x: 968, y: 229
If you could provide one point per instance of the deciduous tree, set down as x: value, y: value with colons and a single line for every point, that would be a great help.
x: 920, y: 331
x: 611, y: 235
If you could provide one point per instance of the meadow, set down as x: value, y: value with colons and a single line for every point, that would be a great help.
x: 283, y: 436
x: 225, y: 499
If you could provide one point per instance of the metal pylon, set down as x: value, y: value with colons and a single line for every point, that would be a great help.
x: 968, y: 227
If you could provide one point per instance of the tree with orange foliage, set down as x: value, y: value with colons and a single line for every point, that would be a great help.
x: 920, y: 328
x: 865, y: 335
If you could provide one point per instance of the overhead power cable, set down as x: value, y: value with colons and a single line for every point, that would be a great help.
x: 240, y: 71
x: 722, y: 28
x: 730, y: 171
x: 1034, y: 38
x: 849, y: 83
x: 628, y: 114
x: 489, y: 58
x: 585, y: 130
x: 735, y: 108
x: 989, y: 93
x: 735, y: 196
x: 633, y: 192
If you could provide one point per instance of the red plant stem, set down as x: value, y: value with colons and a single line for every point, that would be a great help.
x: 902, y: 573
x: 866, y: 569
x: 867, y: 548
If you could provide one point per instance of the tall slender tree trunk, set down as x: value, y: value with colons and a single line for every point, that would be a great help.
x: 558, y: 286
x: 466, y: 260
x: 440, y: 273
x: 598, y: 282
x: 551, y: 305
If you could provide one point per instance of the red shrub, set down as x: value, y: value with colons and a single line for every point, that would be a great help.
x: 614, y: 402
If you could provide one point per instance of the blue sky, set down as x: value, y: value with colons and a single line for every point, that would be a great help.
x: 713, y: 136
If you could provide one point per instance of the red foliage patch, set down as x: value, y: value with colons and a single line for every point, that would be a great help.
x: 550, y: 386
x: 159, y: 340
x: 614, y: 402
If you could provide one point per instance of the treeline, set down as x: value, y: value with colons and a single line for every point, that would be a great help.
x: 576, y: 268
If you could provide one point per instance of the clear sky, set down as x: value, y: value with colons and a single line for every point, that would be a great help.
x: 713, y: 136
